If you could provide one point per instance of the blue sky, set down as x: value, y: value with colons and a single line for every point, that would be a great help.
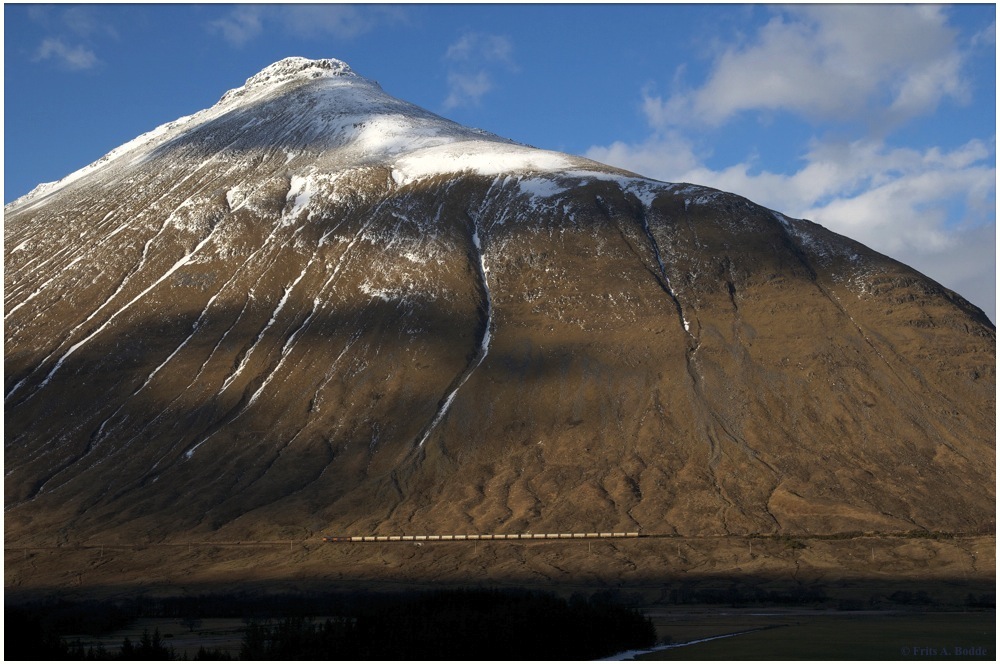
x: 877, y: 121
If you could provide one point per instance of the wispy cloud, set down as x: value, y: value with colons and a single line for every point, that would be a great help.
x: 84, y: 22
x: 76, y: 57
x: 467, y: 89
x: 471, y: 62
x: 244, y: 23
x: 840, y: 62
x: 476, y: 47
x: 240, y: 25
x: 73, y: 35
x: 343, y: 21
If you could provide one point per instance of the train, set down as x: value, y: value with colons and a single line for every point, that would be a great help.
x: 438, y: 538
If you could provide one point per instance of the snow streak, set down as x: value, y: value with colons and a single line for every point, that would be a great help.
x: 663, y: 271
x: 42, y: 287
x: 75, y: 347
x: 484, y: 342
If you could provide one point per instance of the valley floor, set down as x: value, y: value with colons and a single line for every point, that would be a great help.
x: 692, y: 633
x: 775, y: 634
x: 855, y: 573
x: 863, y: 597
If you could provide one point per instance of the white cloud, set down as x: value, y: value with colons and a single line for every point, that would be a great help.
x: 73, y: 57
x: 71, y: 35
x: 476, y: 47
x: 885, y: 63
x: 239, y: 26
x: 987, y: 37
x: 931, y: 209
x: 342, y: 21
x: 471, y: 63
x: 665, y: 157
x: 912, y: 212
x: 244, y: 23
x: 467, y: 89
x: 82, y: 21
x: 838, y: 67
x: 908, y: 219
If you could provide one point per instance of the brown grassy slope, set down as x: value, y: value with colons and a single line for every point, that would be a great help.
x: 698, y: 367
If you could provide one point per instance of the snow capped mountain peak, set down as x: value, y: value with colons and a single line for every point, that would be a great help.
x: 297, y: 66
x: 290, y: 69
x: 314, y: 305
x: 319, y: 116
x: 329, y: 117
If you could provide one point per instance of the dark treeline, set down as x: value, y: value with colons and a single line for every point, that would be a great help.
x: 27, y: 639
x: 460, y: 625
x: 447, y: 624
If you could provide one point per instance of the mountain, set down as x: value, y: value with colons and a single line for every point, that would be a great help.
x: 313, y: 308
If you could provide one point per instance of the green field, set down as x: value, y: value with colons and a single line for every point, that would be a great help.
x: 825, y: 636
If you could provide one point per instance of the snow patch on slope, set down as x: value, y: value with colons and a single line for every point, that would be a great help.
x: 540, y: 187
x: 299, y: 195
x: 479, y: 157
x: 645, y: 189
x: 816, y: 245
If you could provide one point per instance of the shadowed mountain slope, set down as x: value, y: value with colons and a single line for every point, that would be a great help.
x: 315, y: 308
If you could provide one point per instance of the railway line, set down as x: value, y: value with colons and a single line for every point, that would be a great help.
x: 512, y: 536
x: 12, y: 548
